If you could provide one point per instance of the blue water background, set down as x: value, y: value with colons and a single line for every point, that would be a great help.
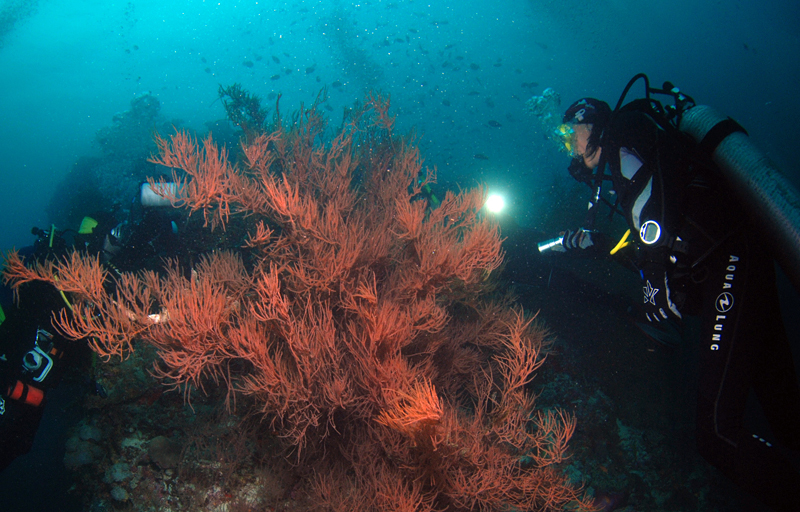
x: 66, y: 67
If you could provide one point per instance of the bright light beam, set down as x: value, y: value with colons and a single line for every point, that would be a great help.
x: 495, y: 203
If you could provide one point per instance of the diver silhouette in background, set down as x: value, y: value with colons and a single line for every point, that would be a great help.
x: 698, y: 252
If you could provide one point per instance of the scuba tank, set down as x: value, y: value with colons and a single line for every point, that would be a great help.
x: 768, y: 195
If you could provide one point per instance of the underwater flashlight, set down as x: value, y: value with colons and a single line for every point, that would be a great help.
x: 552, y: 245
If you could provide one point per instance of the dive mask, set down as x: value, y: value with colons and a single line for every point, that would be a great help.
x: 565, y: 134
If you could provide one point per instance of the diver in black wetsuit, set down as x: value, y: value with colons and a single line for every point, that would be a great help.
x: 698, y: 253
x: 33, y: 355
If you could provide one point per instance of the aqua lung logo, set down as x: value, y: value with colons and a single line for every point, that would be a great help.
x: 723, y: 303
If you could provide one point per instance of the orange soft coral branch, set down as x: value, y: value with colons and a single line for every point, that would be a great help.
x: 414, y: 412
x: 15, y: 273
x: 200, y: 312
x: 282, y: 198
x: 387, y: 327
x: 110, y: 323
x: 81, y: 274
x: 427, y: 316
x: 381, y: 106
x: 272, y: 305
x: 273, y: 381
x: 209, y: 172
x: 398, y: 177
x: 180, y: 152
x: 458, y: 212
x: 554, y: 430
x: 480, y: 252
x: 226, y: 269
x: 523, y: 354
x: 260, y: 238
x: 259, y: 153
x: 410, y: 216
x: 109, y: 329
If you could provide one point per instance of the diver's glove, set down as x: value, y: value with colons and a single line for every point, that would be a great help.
x: 658, y: 299
x: 577, y: 239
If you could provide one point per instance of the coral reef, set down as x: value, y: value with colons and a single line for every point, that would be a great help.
x: 362, y: 331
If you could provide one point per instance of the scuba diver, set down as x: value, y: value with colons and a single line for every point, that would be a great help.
x: 699, y: 251
x: 150, y: 233
x: 33, y: 355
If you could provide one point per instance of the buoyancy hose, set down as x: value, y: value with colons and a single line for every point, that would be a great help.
x: 769, y: 196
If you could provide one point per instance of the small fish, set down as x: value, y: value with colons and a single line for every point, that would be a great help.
x: 336, y: 84
x: 494, y: 124
x: 473, y: 93
x: 474, y: 67
x: 275, y: 77
x: 248, y: 63
x: 310, y: 69
x: 276, y: 60
x: 480, y: 156
x: 446, y: 103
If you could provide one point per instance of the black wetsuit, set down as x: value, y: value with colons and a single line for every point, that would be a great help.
x: 22, y: 389
x: 718, y: 267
